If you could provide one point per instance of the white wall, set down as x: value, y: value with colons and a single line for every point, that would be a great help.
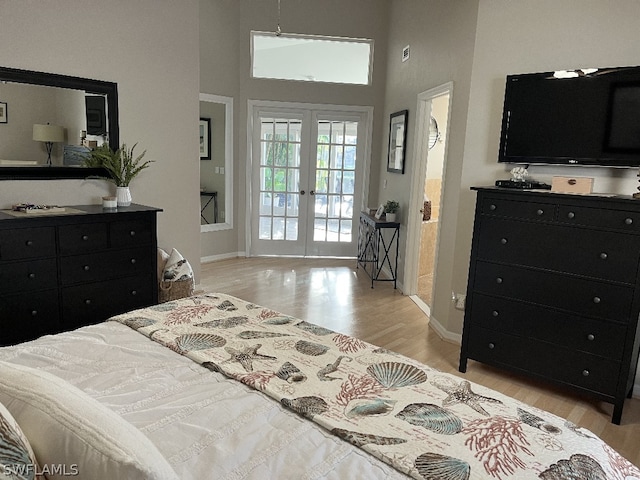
x: 441, y: 35
x: 150, y: 48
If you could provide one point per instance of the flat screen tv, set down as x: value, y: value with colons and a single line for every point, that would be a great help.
x: 576, y: 117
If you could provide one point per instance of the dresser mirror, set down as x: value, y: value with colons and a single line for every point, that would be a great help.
x: 37, y: 103
x: 216, y: 162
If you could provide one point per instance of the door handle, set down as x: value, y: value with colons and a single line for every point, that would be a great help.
x: 312, y: 192
x: 302, y: 192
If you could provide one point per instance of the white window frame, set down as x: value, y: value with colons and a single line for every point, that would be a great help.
x: 319, y: 38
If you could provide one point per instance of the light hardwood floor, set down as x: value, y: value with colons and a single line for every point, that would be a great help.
x: 336, y: 295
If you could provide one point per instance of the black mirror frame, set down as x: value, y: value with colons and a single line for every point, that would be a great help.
x: 109, y: 89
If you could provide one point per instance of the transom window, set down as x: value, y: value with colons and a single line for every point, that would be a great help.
x: 311, y: 58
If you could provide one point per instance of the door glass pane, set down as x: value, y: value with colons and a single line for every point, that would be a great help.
x: 345, y: 230
x: 335, y: 176
x: 278, y: 228
x: 279, y: 178
x: 264, y: 232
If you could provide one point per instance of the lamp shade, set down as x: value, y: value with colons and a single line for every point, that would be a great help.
x: 48, y: 133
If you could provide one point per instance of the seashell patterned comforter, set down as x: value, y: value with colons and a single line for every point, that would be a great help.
x: 425, y: 423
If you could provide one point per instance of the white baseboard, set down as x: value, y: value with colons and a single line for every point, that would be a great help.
x: 224, y: 256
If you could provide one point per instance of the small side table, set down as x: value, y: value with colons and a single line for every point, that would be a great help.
x: 372, y: 245
x: 212, y: 196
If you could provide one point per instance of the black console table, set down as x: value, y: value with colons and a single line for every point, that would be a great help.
x: 212, y: 196
x: 372, y: 245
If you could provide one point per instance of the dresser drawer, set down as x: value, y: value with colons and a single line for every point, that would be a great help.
x: 27, y: 316
x: 518, y: 209
x: 596, y: 337
x: 600, y: 254
x: 578, y: 295
x: 23, y: 243
x: 86, y: 237
x: 95, y: 302
x: 106, y: 265
x: 131, y: 233
x: 28, y: 276
x: 547, y: 360
x: 614, y: 219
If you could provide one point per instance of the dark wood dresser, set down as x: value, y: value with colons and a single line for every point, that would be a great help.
x: 553, y: 289
x: 62, y: 271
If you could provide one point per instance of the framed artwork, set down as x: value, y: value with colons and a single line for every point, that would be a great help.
x: 205, y: 139
x: 3, y: 112
x: 397, y: 141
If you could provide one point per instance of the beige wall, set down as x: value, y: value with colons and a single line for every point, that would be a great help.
x: 150, y: 48
x: 441, y: 35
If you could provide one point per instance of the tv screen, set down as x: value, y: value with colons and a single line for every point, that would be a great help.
x: 581, y: 117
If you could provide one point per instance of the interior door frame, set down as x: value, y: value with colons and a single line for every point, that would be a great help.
x: 252, y: 105
x: 416, y: 199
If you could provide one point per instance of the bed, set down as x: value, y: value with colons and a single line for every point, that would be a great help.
x: 212, y: 386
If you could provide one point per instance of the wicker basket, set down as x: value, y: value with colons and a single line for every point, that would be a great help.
x: 168, y: 291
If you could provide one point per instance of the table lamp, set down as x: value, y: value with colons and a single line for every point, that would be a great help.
x: 49, y: 134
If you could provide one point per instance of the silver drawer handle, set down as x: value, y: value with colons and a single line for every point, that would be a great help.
x: 495, y: 313
x: 28, y: 243
x: 132, y: 233
x: 34, y: 313
x: 503, y: 241
x: 591, y: 337
x: 133, y: 261
x: 87, y: 301
x: 134, y: 292
x: 604, y: 255
x: 571, y: 215
x: 86, y: 268
x: 540, y: 212
x: 491, y: 345
x: 596, y: 299
x: 492, y: 207
x: 498, y: 280
x: 585, y: 373
x: 85, y: 237
x: 628, y: 221
x: 32, y: 275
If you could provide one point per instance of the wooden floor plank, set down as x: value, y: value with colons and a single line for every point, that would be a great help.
x: 335, y: 294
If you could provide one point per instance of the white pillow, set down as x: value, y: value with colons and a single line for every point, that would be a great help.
x: 177, y: 268
x: 17, y: 459
x: 67, y: 427
x: 162, y: 262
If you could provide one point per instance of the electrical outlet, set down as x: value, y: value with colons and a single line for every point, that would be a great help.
x: 460, y: 300
x: 221, y: 170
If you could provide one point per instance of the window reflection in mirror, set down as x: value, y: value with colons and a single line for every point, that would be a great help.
x: 216, y: 162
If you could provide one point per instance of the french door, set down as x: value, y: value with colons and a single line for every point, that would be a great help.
x: 306, y: 180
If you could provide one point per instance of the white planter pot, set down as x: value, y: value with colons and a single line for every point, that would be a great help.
x: 123, y: 194
x: 391, y: 217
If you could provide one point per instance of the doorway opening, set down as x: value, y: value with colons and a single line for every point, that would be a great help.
x: 423, y: 228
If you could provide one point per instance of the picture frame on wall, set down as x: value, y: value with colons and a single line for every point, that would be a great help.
x: 397, y: 141
x: 205, y: 138
x: 3, y: 112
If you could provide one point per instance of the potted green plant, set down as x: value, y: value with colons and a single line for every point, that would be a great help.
x: 391, y: 209
x: 121, y: 166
